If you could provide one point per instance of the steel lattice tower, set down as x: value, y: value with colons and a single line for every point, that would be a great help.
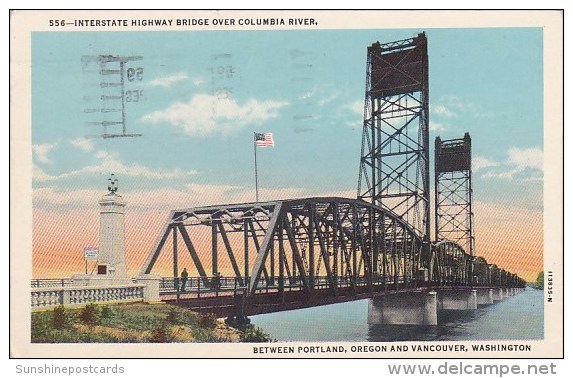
x: 394, y: 164
x: 453, y: 192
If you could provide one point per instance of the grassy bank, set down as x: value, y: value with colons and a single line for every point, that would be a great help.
x: 134, y: 323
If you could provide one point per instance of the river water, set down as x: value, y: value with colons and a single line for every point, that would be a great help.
x: 515, y: 318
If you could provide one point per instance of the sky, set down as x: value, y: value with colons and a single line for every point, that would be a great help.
x: 202, y: 94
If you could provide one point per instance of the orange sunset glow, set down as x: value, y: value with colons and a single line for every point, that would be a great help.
x: 513, y: 241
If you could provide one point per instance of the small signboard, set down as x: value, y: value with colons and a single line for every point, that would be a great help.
x: 91, y: 253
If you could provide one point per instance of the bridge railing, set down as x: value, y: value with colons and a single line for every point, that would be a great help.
x: 51, y: 282
x: 57, y: 282
x: 235, y: 285
x: 45, y: 298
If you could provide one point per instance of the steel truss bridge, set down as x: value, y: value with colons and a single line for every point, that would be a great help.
x: 311, y: 251
x: 306, y: 252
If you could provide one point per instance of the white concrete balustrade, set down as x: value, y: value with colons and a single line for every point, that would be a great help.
x: 50, y: 297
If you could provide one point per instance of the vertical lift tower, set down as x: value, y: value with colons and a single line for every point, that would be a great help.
x: 453, y: 194
x: 395, y: 164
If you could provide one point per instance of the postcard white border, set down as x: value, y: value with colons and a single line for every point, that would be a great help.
x: 24, y: 22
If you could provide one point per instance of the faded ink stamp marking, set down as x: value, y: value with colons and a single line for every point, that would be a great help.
x: 222, y: 72
x: 113, y: 85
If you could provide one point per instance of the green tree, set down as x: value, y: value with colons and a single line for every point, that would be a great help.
x: 61, y: 318
x: 255, y: 335
x: 539, y: 281
x: 91, y: 314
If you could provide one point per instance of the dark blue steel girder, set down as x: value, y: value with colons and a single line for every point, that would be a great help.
x: 313, y: 242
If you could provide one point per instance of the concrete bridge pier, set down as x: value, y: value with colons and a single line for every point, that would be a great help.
x: 461, y: 300
x: 497, y: 294
x: 508, y: 292
x: 484, y: 296
x: 417, y: 308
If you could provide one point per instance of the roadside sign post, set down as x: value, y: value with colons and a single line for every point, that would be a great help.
x: 90, y: 253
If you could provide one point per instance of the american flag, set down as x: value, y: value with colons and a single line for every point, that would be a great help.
x: 264, y: 140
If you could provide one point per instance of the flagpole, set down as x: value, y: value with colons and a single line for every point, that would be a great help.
x: 256, y: 174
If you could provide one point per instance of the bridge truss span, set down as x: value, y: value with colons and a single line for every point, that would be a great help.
x: 450, y: 265
x: 303, y: 244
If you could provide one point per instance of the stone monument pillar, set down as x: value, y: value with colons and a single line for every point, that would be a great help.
x: 112, y: 235
x: 111, y: 267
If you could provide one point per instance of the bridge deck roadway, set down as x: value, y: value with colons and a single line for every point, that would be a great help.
x: 225, y: 303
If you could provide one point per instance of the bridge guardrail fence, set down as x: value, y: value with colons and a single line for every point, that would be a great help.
x: 45, y: 298
x: 51, y: 282
x: 236, y: 285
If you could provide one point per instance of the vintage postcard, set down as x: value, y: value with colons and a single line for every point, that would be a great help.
x: 286, y: 184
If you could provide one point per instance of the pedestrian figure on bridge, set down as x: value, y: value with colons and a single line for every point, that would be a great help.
x: 184, y: 276
x: 217, y: 281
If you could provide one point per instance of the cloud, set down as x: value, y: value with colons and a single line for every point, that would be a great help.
x: 524, y: 164
x: 441, y: 110
x: 526, y: 158
x: 41, y: 152
x: 437, y: 126
x: 110, y: 163
x: 504, y: 175
x: 479, y: 163
x: 165, y: 199
x: 306, y: 95
x: 494, y: 211
x: 209, y: 194
x: 103, y: 154
x: 205, y: 115
x: 356, y: 107
x: 50, y: 197
x: 453, y: 106
x: 83, y: 144
x: 197, y: 81
x: 168, y: 81
x: 331, y: 98
x: 454, y: 102
x: 38, y: 174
